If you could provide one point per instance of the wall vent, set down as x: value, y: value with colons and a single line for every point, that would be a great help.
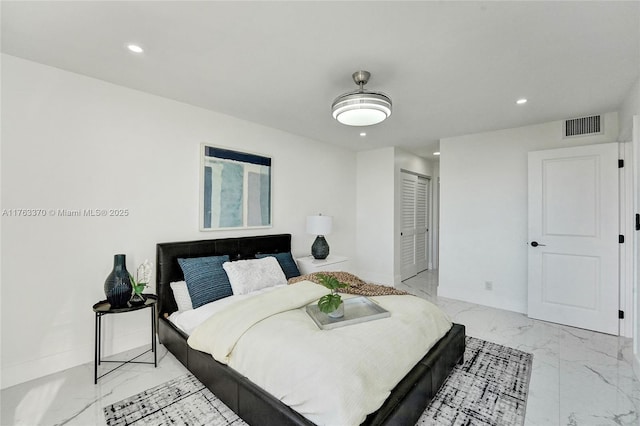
x: 583, y: 126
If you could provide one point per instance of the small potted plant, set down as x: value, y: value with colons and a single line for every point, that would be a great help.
x: 140, y: 282
x: 331, y: 304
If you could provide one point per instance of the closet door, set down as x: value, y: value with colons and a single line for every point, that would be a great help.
x: 414, y: 221
x: 408, y: 226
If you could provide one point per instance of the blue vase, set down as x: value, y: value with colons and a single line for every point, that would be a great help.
x: 117, y: 286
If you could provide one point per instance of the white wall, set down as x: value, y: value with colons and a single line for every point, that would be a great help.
x: 72, y: 142
x: 375, y: 215
x: 629, y: 107
x: 483, y: 210
x: 378, y: 214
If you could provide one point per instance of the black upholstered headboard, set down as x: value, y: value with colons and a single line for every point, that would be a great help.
x: 168, y: 270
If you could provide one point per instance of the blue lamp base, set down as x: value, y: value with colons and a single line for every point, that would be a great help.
x: 320, y: 248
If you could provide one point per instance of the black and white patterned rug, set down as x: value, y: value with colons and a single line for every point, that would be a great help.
x: 490, y: 388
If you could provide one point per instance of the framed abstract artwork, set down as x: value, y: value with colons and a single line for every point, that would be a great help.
x: 235, y: 189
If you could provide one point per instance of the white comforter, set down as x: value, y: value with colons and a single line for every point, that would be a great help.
x: 332, y: 377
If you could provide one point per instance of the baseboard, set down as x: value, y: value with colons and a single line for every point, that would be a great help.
x: 480, y: 299
x: 397, y: 279
x: 33, y: 369
x: 36, y: 368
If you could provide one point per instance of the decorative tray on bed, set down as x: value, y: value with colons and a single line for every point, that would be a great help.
x: 356, y: 310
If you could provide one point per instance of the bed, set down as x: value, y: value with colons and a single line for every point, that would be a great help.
x: 403, y: 406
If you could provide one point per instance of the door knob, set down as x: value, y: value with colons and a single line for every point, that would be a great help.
x: 536, y: 244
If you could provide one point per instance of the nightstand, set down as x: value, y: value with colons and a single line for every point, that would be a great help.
x: 104, y: 308
x: 309, y: 264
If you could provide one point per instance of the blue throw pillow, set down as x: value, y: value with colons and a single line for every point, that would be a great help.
x: 206, y: 279
x: 286, y: 262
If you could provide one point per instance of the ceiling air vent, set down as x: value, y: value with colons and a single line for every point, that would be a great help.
x: 583, y: 126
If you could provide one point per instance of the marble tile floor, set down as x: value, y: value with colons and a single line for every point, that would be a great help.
x: 579, y: 378
x: 70, y: 397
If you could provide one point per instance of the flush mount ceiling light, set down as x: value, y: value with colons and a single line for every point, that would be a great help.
x: 361, y: 107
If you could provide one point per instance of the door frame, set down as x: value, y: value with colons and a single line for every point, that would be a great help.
x: 629, y: 268
x: 429, y: 221
x: 632, y: 281
x: 613, y: 153
x: 626, y: 228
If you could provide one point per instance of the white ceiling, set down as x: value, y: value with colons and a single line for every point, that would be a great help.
x: 451, y: 68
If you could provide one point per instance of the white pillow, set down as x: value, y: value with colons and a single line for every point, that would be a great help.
x: 250, y: 275
x: 181, y: 294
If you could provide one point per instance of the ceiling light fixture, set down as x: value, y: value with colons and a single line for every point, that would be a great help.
x: 363, y: 134
x: 361, y: 107
x: 135, y: 48
x: 436, y: 153
x: 521, y: 101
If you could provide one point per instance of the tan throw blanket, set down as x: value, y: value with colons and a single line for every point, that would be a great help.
x: 356, y: 285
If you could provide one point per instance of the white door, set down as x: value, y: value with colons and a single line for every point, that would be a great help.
x: 573, y: 236
x: 409, y: 267
x: 414, y: 222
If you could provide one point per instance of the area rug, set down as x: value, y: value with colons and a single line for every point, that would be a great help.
x: 490, y: 388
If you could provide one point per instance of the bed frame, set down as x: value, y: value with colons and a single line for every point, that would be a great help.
x: 254, y: 405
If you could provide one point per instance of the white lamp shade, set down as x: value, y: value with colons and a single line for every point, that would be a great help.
x: 319, y: 225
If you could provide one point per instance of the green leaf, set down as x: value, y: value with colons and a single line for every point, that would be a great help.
x: 329, y: 303
x: 330, y: 282
x: 137, y: 287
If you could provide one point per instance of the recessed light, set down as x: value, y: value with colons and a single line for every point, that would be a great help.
x: 135, y: 48
x: 363, y: 134
x: 436, y: 153
x: 521, y: 101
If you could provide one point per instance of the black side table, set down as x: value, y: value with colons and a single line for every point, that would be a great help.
x: 104, y: 308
